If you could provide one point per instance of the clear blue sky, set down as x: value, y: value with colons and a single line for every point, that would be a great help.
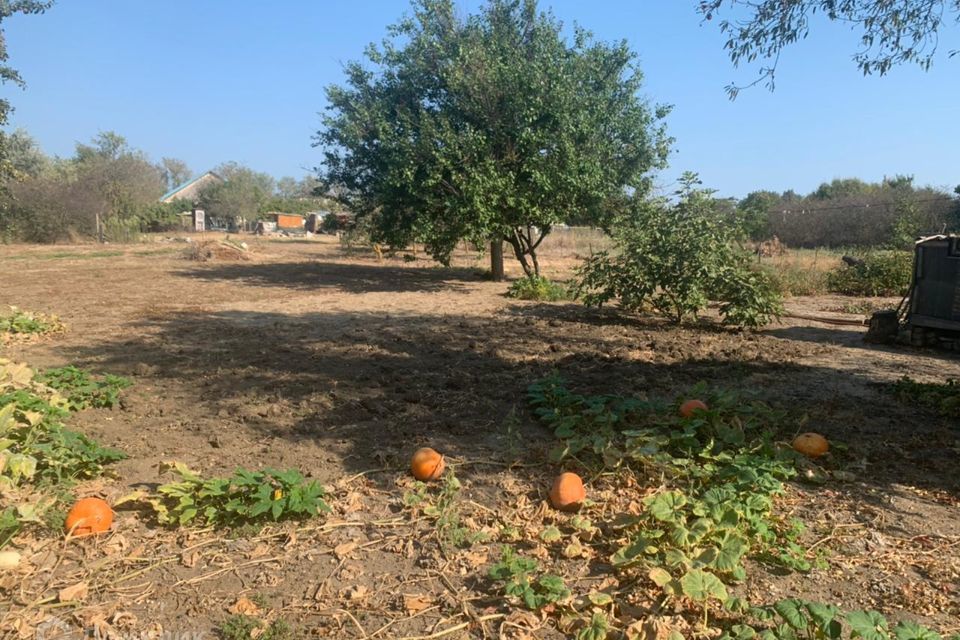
x: 241, y: 80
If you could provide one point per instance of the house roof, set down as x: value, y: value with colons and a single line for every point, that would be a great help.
x: 173, y: 192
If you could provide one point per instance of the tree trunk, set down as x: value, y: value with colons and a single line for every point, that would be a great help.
x: 496, y: 260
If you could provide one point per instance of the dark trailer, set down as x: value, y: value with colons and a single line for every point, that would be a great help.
x: 930, y: 312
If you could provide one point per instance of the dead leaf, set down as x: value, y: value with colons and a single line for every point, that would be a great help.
x: 476, y: 559
x: 245, y: 607
x: 259, y: 551
x: 76, y: 592
x: 343, y: 550
x: 189, y: 558
x: 416, y: 603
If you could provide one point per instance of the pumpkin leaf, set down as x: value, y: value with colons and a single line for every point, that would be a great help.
x: 701, y: 586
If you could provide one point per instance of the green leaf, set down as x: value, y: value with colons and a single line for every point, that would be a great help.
x: 666, y: 506
x: 909, y: 630
x: 551, y: 534
x: 702, y: 586
x: 868, y: 625
x: 792, y: 611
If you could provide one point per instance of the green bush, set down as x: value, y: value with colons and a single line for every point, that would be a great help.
x: 539, y: 288
x: 676, y: 259
x: 880, y: 273
x: 83, y: 390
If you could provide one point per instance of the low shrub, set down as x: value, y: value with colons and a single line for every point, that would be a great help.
x: 24, y: 323
x: 539, y: 288
x: 676, y: 259
x: 880, y: 273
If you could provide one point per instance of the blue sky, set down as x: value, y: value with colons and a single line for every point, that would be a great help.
x: 213, y: 81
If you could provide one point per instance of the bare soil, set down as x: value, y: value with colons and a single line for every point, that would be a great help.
x: 311, y: 356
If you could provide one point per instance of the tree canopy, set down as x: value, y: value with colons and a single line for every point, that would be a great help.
x: 891, y: 32
x: 493, y: 127
x: 9, y: 74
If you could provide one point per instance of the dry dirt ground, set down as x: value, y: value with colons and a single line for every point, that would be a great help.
x: 314, y: 357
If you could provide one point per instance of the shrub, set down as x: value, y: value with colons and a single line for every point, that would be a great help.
x: 880, y: 273
x: 539, y: 288
x: 676, y: 259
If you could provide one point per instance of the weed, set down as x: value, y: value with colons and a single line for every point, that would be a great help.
x: 241, y: 627
x: 521, y: 578
x: 18, y: 323
x: 242, y: 498
x: 941, y: 397
x: 442, y: 506
x: 539, y: 288
x: 82, y: 390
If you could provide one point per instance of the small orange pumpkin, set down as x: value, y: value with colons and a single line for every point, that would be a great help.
x: 812, y: 445
x: 427, y: 464
x: 688, y: 408
x: 89, y: 516
x: 567, y: 493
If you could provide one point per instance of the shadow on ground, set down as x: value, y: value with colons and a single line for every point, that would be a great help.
x: 352, y: 278
x: 360, y: 391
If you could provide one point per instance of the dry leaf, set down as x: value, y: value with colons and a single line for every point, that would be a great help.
x: 342, y: 550
x: 245, y: 607
x: 189, y: 558
x: 75, y: 592
x: 476, y: 559
x: 259, y: 551
x: 416, y: 603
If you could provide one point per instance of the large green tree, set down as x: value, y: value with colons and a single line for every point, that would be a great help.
x: 890, y: 32
x: 493, y: 127
x: 9, y: 74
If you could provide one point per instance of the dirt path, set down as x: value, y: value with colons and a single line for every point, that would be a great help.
x: 340, y: 366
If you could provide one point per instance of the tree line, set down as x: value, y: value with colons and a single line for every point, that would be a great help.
x: 850, y: 212
x: 111, y: 191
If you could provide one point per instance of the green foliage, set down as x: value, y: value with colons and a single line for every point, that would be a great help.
x: 18, y: 321
x: 880, y: 273
x: 521, y: 578
x: 242, y: 627
x: 676, y: 259
x: 441, y: 504
x: 494, y: 126
x: 887, y: 34
x: 82, y: 390
x: 538, y: 288
x: 724, y: 473
x: 941, y: 397
x: 242, y: 498
x: 795, y: 619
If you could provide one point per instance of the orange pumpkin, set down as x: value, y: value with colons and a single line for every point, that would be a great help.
x: 688, y: 408
x: 89, y: 516
x: 427, y: 464
x: 567, y: 493
x: 812, y: 445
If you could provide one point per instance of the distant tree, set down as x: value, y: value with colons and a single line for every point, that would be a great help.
x: 754, y: 212
x: 891, y: 32
x: 106, y: 145
x: 25, y: 156
x: 841, y: 188
x: 493, y: 127
x: 174, y: 172
x: 9, y: 74
x: 289, y: 187
x: 243, y: 193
